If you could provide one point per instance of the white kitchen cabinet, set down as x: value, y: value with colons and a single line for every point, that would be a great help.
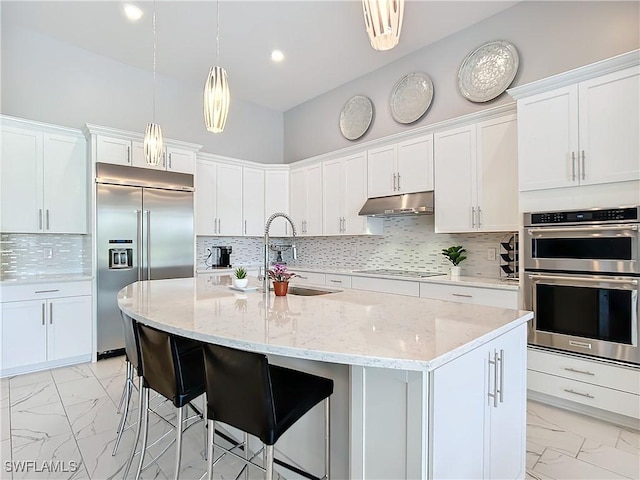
x: 582, y: 134
x: 400, y: 168
x: 276, y: 199
x: 45, y: 326
x: 478, y: 408
x: 344, y: 182
x: 306, y: 199
x: 44, y: 180
x: 476, y: 177
x: 386, y: 285
x: 115, y: 150
x: 174, y: 159
x: 218, y: 198
x: 492, y: 297
x: 252, y: 202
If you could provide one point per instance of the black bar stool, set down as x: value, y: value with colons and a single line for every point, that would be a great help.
x: 263, y: 400
x: 172, y: 366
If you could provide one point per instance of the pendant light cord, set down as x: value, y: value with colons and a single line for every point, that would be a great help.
x: 154, y: 61
x: 217, y: 32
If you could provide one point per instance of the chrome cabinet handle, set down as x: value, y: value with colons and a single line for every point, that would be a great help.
x: 398, y: 181
x: 47, y: 291
x: 128, y: 154
x: 42, y: 314
x: 394, y: 182
x: 47, y: 217
x: 169, y: 160
x: 582, y: 172
x: 164, y: 160
x: 535, y: 277
x: 473, y: 217
x: 462, y: 295
x: 39, y: 219
x: 336, y: 281
x: 573, y: 166
x: 51, y: 314
x: 501, y: 360
x: 139, y: 241
x: 344, y: 228
x: 568, y: 390
x: 245, y: 222
x: 584, y: 372
x: 479, y: 217
x: 493, y: 362
x: 219, y: 226
x: 595, y: 228
x: 148, y: 244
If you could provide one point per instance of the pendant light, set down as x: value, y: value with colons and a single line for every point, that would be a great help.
x: 153, y: 143
x: 216, y: 89
x: 383, y: 19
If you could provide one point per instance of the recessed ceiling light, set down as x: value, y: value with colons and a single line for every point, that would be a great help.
x: 132, y: 12
x: 277, y: 56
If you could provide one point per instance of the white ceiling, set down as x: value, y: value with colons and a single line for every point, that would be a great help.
x: 324, y: 42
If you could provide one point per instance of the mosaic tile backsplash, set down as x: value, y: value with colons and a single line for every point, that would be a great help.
x: 408, y: 243
x: 26, y: 255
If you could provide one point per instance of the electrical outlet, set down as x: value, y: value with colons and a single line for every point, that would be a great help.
x: 354, y: 250
x: 47, y: 253
x: 491, y: 253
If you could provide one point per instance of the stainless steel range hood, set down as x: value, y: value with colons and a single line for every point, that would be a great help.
x: 407, y: 204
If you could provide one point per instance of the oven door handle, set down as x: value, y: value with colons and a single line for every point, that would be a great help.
x: 583, y: 279
x: 595, y: 228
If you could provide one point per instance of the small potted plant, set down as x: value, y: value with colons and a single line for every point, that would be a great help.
x: 280, y: 277
x: 240, y: 279
x: 455, y: 256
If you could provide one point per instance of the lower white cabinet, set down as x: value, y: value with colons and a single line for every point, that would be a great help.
x: 386, y: 285
x: 44, y: 326
x: 492, y: 297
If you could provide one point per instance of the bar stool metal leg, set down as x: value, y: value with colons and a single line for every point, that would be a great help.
x: 141, y: 408
x: 124, y: 390
x: 211, y: 428
x: 145, y: 428
x: 180, y: 414
x: 128, y: 390
x: 327, y: 431
x: 268, y: 452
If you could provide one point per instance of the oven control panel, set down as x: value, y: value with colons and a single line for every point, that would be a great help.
x: 583, y: 216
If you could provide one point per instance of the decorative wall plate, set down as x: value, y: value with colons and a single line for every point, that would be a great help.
x: 488, y: 71
x: 355, y: 117
x: 411, y: 97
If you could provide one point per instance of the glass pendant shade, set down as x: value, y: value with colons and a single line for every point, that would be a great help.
x: 216, y: 99
x: 383, y: 19
x: 153, y: 144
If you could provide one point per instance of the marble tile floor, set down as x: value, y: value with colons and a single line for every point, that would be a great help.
x: 69, y: 415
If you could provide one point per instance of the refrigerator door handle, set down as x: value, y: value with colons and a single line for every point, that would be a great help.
x: 148, y: 254
x: 139, y: 242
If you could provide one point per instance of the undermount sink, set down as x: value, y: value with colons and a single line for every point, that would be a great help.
x: 309, y: 292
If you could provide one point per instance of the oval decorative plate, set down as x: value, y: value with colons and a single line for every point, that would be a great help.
x: 488, y: 71
x: 411, y: 97
x: 355, y: 117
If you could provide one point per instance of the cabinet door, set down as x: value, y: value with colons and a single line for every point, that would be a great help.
x: 253, y: 201
x: 276, y: 199
x: 313, y: 225
x: 65, y: 184
x: 355, y: 194
x: 298, y: 196
x: 69, y: 327
x: 548, y: 139
x: 381, y: 168
x: 455, y: 180
x: 205, y: 197
x: 415, y: 165
x: 21, y: 181
x: 333, y: 187
x: 138, y: 159
x: 609, y: 126
x: 229, y: 199
x: 497, y: 168
x: 23, y: 334
x: 113, y: 150
x: 507, y: 427
x: 180, y: 160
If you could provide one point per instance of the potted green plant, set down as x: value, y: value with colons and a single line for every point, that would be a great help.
x: 455, y: 256
x: 240, y: 279
x: 280, y: 277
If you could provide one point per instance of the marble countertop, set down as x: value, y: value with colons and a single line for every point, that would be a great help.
x: 46, y: 278
x: 349, y: 327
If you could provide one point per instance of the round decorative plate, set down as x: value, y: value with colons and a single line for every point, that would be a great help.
x: 487, y: 71
x: 411, y: 97
x: 355, y: 117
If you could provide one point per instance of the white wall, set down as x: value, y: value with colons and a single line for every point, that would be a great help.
x: 551, y: 37
x: 52, y: 81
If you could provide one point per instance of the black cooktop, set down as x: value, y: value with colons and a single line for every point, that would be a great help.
x: 400, y: 273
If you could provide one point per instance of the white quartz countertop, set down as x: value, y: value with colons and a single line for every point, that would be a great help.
x: 47, y: 278
x: 349, y: 327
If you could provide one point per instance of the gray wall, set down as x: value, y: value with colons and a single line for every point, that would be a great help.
x: 52, y: 81
x: 551, y: 37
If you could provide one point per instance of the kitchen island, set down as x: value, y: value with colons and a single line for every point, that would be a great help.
x: 423, y: 388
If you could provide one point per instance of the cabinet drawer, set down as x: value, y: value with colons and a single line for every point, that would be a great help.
x: 384, y: 285
x: 473, y: 295
x: 334, y: 280
x: 626, y: 379
x: 309, y: 278
x: 17, y: 293
x: 604, y: 398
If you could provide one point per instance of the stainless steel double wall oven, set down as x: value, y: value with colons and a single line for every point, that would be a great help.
x: 581, y: 275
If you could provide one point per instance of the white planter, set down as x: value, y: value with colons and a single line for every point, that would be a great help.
x: 241, y: 282
x: 455, y: 272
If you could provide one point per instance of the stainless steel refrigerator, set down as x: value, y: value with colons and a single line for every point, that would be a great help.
x: 144, y: 232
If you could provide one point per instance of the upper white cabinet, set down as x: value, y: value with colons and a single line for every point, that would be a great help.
x: 276, y: 199
x: 174, y: 159
x: 306, y: 199
x: 400, y: 168
x: 44, y: 180
x: 218, y: 199
x: 115, y: 150
x: 252, y: 201
x: 581, y: 134
x: 476, y: 171
x: 344, y: 182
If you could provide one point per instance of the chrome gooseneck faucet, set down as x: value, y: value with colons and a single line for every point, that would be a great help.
x: 264, y: 277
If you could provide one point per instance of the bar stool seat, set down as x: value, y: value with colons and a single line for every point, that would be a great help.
x: 263, y: 400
